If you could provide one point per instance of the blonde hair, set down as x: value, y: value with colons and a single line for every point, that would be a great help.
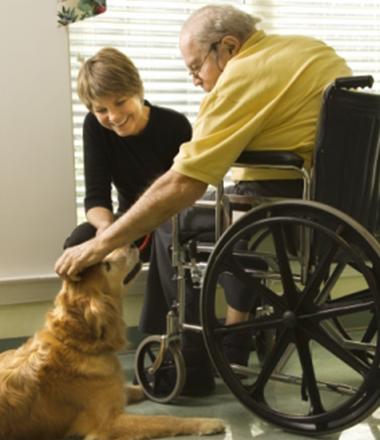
x: 108, y: 73
x: 211, y: 23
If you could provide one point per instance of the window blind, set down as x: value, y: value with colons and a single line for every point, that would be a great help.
x: 147, y: 31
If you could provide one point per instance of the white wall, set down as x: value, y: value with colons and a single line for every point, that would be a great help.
x: 37, y: 196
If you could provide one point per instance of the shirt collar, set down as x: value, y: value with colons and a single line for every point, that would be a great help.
x: 256, y: 37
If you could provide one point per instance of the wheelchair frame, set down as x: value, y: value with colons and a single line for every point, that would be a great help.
x: 304, y: 313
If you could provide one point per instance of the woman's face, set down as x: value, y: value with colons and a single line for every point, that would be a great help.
x: 123, y: 115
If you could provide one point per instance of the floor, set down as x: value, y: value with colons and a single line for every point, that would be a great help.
x: 241, y: 423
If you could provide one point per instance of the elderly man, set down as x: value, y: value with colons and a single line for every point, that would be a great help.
x: 264, y: 93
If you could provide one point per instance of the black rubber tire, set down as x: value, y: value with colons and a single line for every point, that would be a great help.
x: 311, y: 400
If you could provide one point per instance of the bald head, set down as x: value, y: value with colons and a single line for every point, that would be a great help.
x: 211, y: 23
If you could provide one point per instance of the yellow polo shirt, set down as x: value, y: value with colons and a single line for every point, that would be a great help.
x: 267, y: 98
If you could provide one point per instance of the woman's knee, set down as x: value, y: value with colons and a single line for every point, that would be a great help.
x: 83, y: 232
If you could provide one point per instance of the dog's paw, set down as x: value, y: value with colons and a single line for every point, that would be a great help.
x: 211, y: 426
x: 134, y: 393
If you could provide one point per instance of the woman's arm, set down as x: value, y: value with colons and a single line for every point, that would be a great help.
x: 97, y: 167
x: 101, y: 218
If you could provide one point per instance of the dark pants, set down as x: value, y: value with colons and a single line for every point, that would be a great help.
x: 161, y: 289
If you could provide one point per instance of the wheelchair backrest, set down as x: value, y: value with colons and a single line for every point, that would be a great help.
x: 346, y: 163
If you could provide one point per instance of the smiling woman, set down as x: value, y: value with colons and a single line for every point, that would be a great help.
x: 125, y: 116
x: 127, y: 141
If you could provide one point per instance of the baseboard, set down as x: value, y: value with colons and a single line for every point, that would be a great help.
x: 134, y: 337
x: 11, y: 344
x: 46, y: 287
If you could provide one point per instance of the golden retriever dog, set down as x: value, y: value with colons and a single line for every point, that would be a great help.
x: 67, y: 380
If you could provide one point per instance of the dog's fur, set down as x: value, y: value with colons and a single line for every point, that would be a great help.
x: 66, y: 380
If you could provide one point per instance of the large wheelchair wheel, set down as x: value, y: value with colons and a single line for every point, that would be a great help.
x: 167, y: 382
x: 322, y: 373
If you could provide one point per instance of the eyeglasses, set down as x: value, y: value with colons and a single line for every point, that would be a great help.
x: 195, y: 72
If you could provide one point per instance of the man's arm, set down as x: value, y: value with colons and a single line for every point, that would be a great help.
x: 170, y: 194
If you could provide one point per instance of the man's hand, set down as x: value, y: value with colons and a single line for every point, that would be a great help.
x: 75, y: 259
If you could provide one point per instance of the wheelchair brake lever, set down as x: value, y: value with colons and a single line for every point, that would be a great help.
x: 195, y: 272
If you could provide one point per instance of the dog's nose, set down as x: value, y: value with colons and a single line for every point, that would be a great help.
x: 133, y: 246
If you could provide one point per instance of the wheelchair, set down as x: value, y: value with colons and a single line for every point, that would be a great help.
x: 318, y: 282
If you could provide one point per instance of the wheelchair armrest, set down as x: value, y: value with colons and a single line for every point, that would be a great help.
x: 239, y: 202
x: 274, y: 158
x: 354, y: 82
x: 271, y: 159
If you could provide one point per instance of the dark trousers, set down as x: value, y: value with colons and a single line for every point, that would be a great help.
x: 161, y: 289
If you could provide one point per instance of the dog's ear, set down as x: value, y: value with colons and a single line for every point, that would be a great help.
x: 104, y: 320
x: 99, y: 311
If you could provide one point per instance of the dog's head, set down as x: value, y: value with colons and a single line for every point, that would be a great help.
x: 114, y: 274
x: 88, y: 313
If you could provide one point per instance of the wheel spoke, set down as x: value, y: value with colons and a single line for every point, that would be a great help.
x: 340, y: 308
x: 330, y: 284
x: 151, y: 355
x: 371, y: 330
x: 308, y: 373
x: 290, y: 290
x: 266, y: 294
x: 345, y: 355
x: 257, y: 324
x: 320, y: 275
x: 283, y: 340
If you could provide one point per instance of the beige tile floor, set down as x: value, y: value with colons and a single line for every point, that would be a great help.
x: 241, y: 423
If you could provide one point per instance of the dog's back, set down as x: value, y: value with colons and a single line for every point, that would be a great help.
x: 19, y: 387
x: 44, y: 388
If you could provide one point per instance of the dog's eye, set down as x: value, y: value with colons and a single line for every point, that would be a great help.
x: 107, y: 265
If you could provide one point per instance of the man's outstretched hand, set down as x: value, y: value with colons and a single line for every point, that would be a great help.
x: 77, y: 258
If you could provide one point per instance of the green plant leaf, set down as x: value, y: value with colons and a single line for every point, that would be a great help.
x: 86, y: 5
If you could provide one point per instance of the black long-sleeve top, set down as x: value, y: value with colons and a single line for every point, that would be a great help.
x: 131, y: 163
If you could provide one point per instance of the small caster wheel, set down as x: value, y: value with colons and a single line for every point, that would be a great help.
x: 168, y: 381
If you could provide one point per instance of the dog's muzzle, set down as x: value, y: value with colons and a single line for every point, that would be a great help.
x: 133, y: 273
